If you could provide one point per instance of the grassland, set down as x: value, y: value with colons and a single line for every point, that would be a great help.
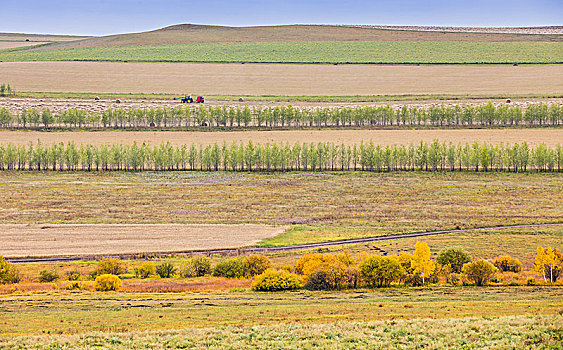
x: 70, y: 313
x: 550, y: 137
x: 337, y: 205
x: 533, y: 332
x: 308, y: 52
x: 290, y: 80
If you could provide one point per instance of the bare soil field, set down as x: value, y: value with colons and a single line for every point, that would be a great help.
x: 290, y: 80
x: 39, y: 37
x: 68, y: 240
x: 17, y: 44
x: 551, y: 137
x: 88, y: 102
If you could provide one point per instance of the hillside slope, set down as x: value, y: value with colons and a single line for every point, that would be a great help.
x: 190, y: 33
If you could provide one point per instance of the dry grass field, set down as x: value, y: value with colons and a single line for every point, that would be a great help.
x: 291, y: 80
x: 68, y: 240
x: 322, y: 206
x: 550, y: 137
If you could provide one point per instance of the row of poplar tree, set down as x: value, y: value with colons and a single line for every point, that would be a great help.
x: 434, y: 156
x: 287, y: 116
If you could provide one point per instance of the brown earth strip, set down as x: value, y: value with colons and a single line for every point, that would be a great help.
x: 290, y: 80
x: 551, y: 137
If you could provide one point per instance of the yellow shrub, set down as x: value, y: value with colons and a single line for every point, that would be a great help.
x: 507, y: 263
x: 110, y: 266
x: 104, y: 283
x: 276, y: 280
x: 255, y: 264
x: 309, y: 263
x: 144, y: 270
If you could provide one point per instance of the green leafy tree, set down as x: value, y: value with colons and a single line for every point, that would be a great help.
x: 455, y: 258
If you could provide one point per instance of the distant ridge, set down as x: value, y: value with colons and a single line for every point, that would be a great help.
x: 545, y: 30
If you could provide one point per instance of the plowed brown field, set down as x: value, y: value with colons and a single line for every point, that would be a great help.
x: 62, y: 240
x: 550, y: 137
x: 291, y: 80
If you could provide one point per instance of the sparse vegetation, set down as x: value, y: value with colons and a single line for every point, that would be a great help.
x: 48, y: 275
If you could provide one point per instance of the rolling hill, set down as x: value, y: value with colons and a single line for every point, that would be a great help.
x: 191, y: 33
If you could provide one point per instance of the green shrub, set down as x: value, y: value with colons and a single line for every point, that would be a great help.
x: 318, y: 280
x: 48, y: 275
x: 413, y: 279
x: 255, y: 264
x: 455, y: 258
x: 531, y: 281
x: 229, y: 268
x: 165, y: 270
x: 8, y: 272
x: 196, y: 266
x: 380, y: 271
x: 276, y: 280
x: 107, y: 282
x: 145, y: 269
x: 110, y: 266
x: 506, y: 263
x: 479, y: 272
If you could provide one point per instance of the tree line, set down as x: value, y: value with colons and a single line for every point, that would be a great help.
x: 487, y: 115
x: 323, y: 156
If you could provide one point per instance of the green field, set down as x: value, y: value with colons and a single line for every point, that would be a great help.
x: 309, y: 52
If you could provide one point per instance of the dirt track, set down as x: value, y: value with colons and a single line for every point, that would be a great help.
x: 290, y: 80
x: 65, y: 240
x: 550, y: 137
